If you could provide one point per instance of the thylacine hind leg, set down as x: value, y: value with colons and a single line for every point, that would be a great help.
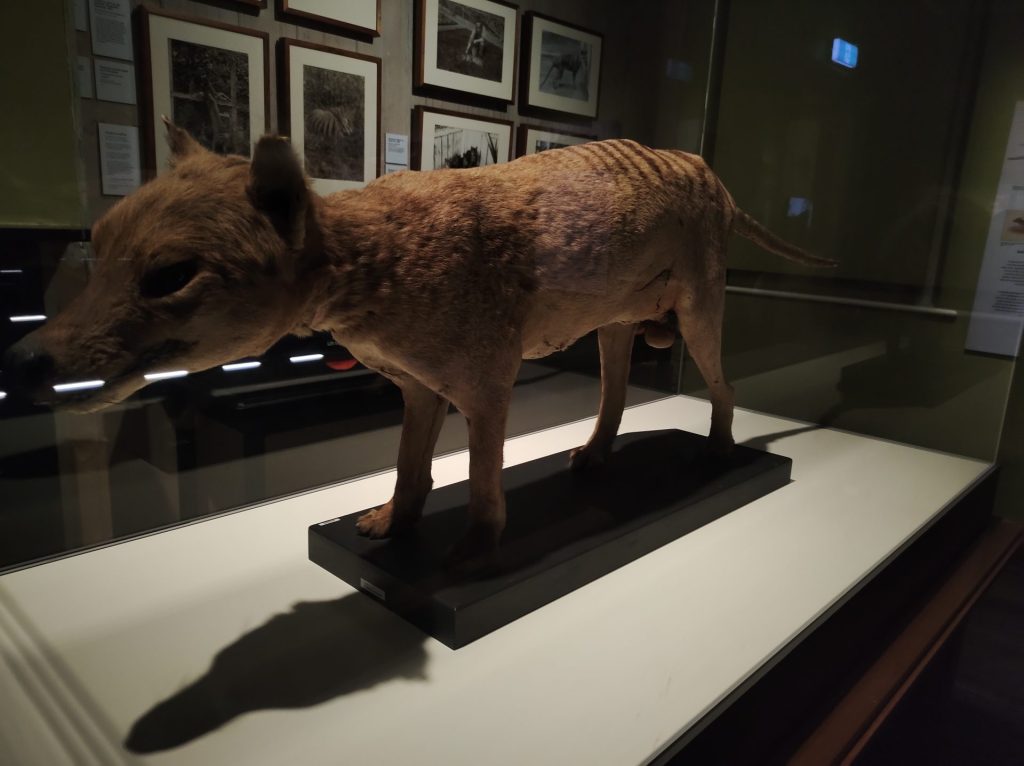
x: 700, y: 322
x: 616, y: 343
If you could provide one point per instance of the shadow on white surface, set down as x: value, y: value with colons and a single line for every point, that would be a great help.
x: 317, y: 651
x: 764, y: 440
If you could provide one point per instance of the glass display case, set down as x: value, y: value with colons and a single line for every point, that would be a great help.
x: 888, y: 138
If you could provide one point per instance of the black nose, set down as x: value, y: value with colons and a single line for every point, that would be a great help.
x: 27, y: 367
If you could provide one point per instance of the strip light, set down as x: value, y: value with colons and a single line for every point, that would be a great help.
x: 238, y: 366
x: 82, y: 385
x: 305, y: 358
x: 3, y: 395
x: 153, y: 376
x: 11, y: 271
x: 29, y: 318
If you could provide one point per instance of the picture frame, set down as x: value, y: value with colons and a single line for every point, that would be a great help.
x: 361, y: 17
x: 561, y: 67
x: 468, y: 46
x: 257, y: 5
x: 208, y: 77
x: 444, y: 138
x: 531, y: 139
x: 330, y: 103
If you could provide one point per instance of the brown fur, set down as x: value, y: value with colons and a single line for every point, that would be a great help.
x: 442, y: 281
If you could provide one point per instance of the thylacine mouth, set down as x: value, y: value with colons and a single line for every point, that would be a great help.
x: 154, y: 356
x: 88, y: 398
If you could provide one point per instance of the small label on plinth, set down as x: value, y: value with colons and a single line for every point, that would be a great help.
x: 370, y: 588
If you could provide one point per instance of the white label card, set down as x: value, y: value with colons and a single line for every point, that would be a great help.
x: 997, y: 318
x: 397, y: 149
x: 115, y: 81
x: 81, y: 15
x: 111, y: 28
x: 83, y: 73
x: 119, y: 159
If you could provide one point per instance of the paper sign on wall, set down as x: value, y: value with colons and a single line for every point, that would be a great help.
x: 115, y: 81
x: 81, y: 15
x: 396, y: 149
x: 997, y: 318
x: 111, y: 28
x: 83, y: 72
x: 119, y: 159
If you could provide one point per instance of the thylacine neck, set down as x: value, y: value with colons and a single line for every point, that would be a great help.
x: 353, y: 272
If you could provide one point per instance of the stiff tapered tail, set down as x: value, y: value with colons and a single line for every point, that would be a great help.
x: 747, y: 227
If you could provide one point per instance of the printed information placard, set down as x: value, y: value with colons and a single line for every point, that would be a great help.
x: 998, y: 314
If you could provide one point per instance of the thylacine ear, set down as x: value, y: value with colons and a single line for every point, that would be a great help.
x: 180, y: 141
x: 277, y: 187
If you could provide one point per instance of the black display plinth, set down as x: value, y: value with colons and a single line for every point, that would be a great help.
x: 565, y: 529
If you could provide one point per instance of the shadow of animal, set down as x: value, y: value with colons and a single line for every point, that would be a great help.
x: 315, y: 652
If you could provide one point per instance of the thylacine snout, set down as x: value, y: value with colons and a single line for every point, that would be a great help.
x: 442, y: 281
x: 187, y: 275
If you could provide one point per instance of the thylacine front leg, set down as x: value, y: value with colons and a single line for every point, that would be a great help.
x: 616, y: 344
x: 485, y: 406
x: 421, y: 424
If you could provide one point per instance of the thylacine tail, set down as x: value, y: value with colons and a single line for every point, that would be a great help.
x: 747, y: 227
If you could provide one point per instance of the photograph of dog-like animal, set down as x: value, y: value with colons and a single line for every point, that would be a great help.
x: 334, y: 139
x: 210, y: 95
x: 442, y: 281
x: 470, y: 41
x: 566, y: 66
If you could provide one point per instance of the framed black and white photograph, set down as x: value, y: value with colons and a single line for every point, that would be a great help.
x: 561, y: 66
x: 532, y: 140
x: 452, y: 140
x: 359, y: 16
x: 330, y: 109
x: 468, y: 46
x: 209, y: 78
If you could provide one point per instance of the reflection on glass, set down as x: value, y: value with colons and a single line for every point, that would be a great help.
x: 83, y: 385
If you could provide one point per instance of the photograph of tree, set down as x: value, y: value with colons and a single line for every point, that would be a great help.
x: 210, y: 96
x: 334, y: 105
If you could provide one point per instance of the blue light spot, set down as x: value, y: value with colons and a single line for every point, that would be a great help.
x: 844, y: 53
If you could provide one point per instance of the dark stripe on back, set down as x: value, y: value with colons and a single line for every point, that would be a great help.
x: 683, y: 173
x: 605, y: 156
x: 627, y: 161
x: 653, y: 160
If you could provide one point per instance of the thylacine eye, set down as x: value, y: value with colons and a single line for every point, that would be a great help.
x: 167, y: 280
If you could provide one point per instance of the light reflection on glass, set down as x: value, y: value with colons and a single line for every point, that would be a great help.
x: 238, y: 366
x: 83, y: 385
x: 153, y: 376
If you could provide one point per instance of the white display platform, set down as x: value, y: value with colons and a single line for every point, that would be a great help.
x: 610, y: 674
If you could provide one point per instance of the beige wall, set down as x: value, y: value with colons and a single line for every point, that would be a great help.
x: 637, y: 97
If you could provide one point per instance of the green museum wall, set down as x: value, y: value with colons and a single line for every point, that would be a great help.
x: 877, y: 169
x: 39, y: 180
x: 1001, y: 86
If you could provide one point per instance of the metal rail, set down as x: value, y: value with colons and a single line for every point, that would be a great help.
x: 906, y: 308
